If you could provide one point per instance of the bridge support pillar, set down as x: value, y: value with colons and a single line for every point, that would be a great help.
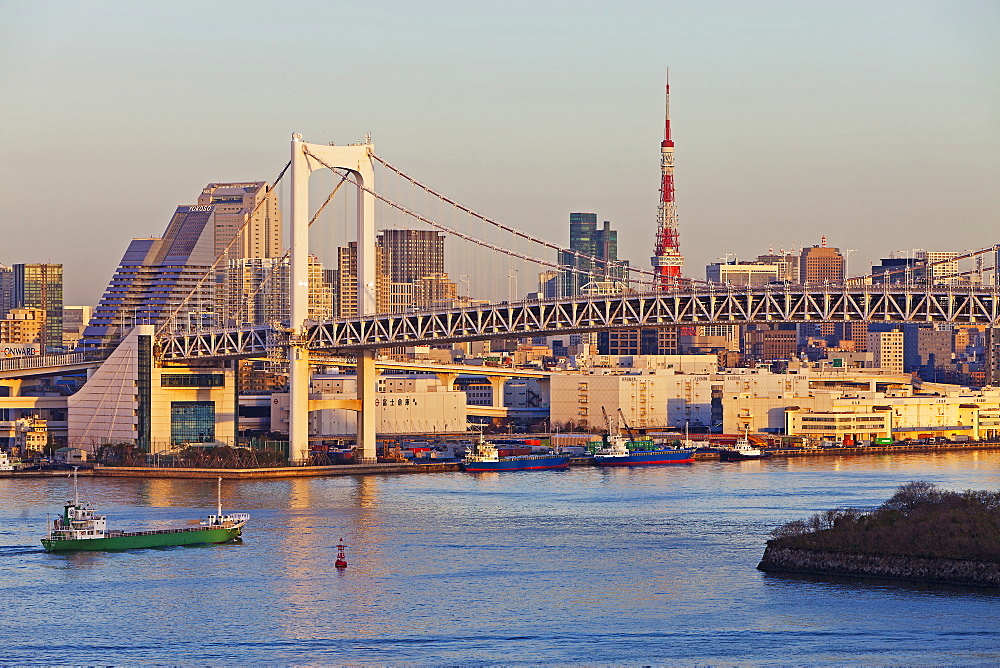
x: 447, y: 380
x: 367, y: 377
x: 298, y: 405
x: 497, y: 383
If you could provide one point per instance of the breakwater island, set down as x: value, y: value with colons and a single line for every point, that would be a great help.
x: 921, y: 534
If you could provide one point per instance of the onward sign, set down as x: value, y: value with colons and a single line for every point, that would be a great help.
x: 18, y: 351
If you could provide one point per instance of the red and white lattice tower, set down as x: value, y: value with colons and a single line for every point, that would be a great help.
x: 667, y: 259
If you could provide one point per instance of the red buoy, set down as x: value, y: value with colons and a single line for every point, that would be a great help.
x: 341, y: 561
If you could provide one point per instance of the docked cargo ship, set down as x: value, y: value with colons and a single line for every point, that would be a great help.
x: 486, y: 456
x: 620, y: 451
x: 81, y: 528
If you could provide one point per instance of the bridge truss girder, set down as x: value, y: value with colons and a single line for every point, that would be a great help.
x: 954, y: 306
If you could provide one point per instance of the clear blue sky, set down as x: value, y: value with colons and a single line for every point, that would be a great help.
x: 874, y: 123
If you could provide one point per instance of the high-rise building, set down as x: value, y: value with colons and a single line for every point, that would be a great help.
x: 247, y: 211
x: 75, y: 319
x: 770, y: 343
x: 933, y: 348
x: 787, y: 263
x: 168, y: 277
x: 40, y: 286
x: 400, y: 297
x: 436, y: 291
x: 898, y: 271
x: 22, y: 326
x: 597, y: 269
x: 742, y: 273
x: 257, y: 291
x: 940, y: 267
x: 548, y: 284
x: 821, y: 264
x: 6, y: 290
x: 646, y: 341
x: 344, y: 281
x: 887, y: 350
x: 410, y: 255
x: 251, y: 292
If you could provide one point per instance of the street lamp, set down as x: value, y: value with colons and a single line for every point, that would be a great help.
x: 906, y: 271
x: 512, y: 284
x: 847, y: 263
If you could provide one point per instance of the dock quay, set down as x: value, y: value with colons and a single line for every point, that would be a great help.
x: 882, y: 449
x: 277, y: 472
x: 392, y: 468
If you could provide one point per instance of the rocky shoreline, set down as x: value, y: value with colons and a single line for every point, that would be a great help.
x: 894, y: 567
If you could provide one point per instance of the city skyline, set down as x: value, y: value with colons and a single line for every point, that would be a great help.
x: 785, y: 132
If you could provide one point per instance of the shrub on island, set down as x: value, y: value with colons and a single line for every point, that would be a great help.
x: 919, y: 520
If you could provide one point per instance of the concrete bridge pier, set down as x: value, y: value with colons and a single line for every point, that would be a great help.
x: 298, y: 405
x: 367, y: 380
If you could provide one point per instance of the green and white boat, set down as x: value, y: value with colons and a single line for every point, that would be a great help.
x: 81, y: 528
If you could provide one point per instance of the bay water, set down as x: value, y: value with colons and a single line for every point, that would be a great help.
x: 650, y: 565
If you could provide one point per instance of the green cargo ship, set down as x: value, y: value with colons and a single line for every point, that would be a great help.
x: 81, y: 528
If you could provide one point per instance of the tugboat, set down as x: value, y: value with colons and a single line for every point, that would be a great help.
x: 81, y: 528
x: 484, y: 456
x: 5, y: 464
x: 743, y: 450
x: 620, y: 451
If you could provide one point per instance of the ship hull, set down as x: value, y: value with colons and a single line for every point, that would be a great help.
x: 145, y: 539
x: 733, y: 456
x: 647, y: 458
x: 532, y: 464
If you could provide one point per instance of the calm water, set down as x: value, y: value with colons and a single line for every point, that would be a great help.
x: 586, y: 566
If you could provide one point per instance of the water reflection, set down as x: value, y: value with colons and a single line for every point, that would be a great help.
x: 324, y: 512
x: 782, y: 581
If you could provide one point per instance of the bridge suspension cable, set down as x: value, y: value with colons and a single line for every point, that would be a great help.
x: 497, y: 224
x: 923, y: 266
x: 480, y: 242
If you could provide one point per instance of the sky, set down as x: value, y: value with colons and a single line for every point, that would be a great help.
x: 875, y: 123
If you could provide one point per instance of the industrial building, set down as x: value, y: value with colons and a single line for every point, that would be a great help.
x: 959, y: 413
x: 647, y: 399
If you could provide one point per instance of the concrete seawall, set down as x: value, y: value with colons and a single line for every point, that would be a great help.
x: 893, y: 567
x: 271, y: 473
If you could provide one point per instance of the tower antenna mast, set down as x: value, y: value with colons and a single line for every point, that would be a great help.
x: 667, y: 259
